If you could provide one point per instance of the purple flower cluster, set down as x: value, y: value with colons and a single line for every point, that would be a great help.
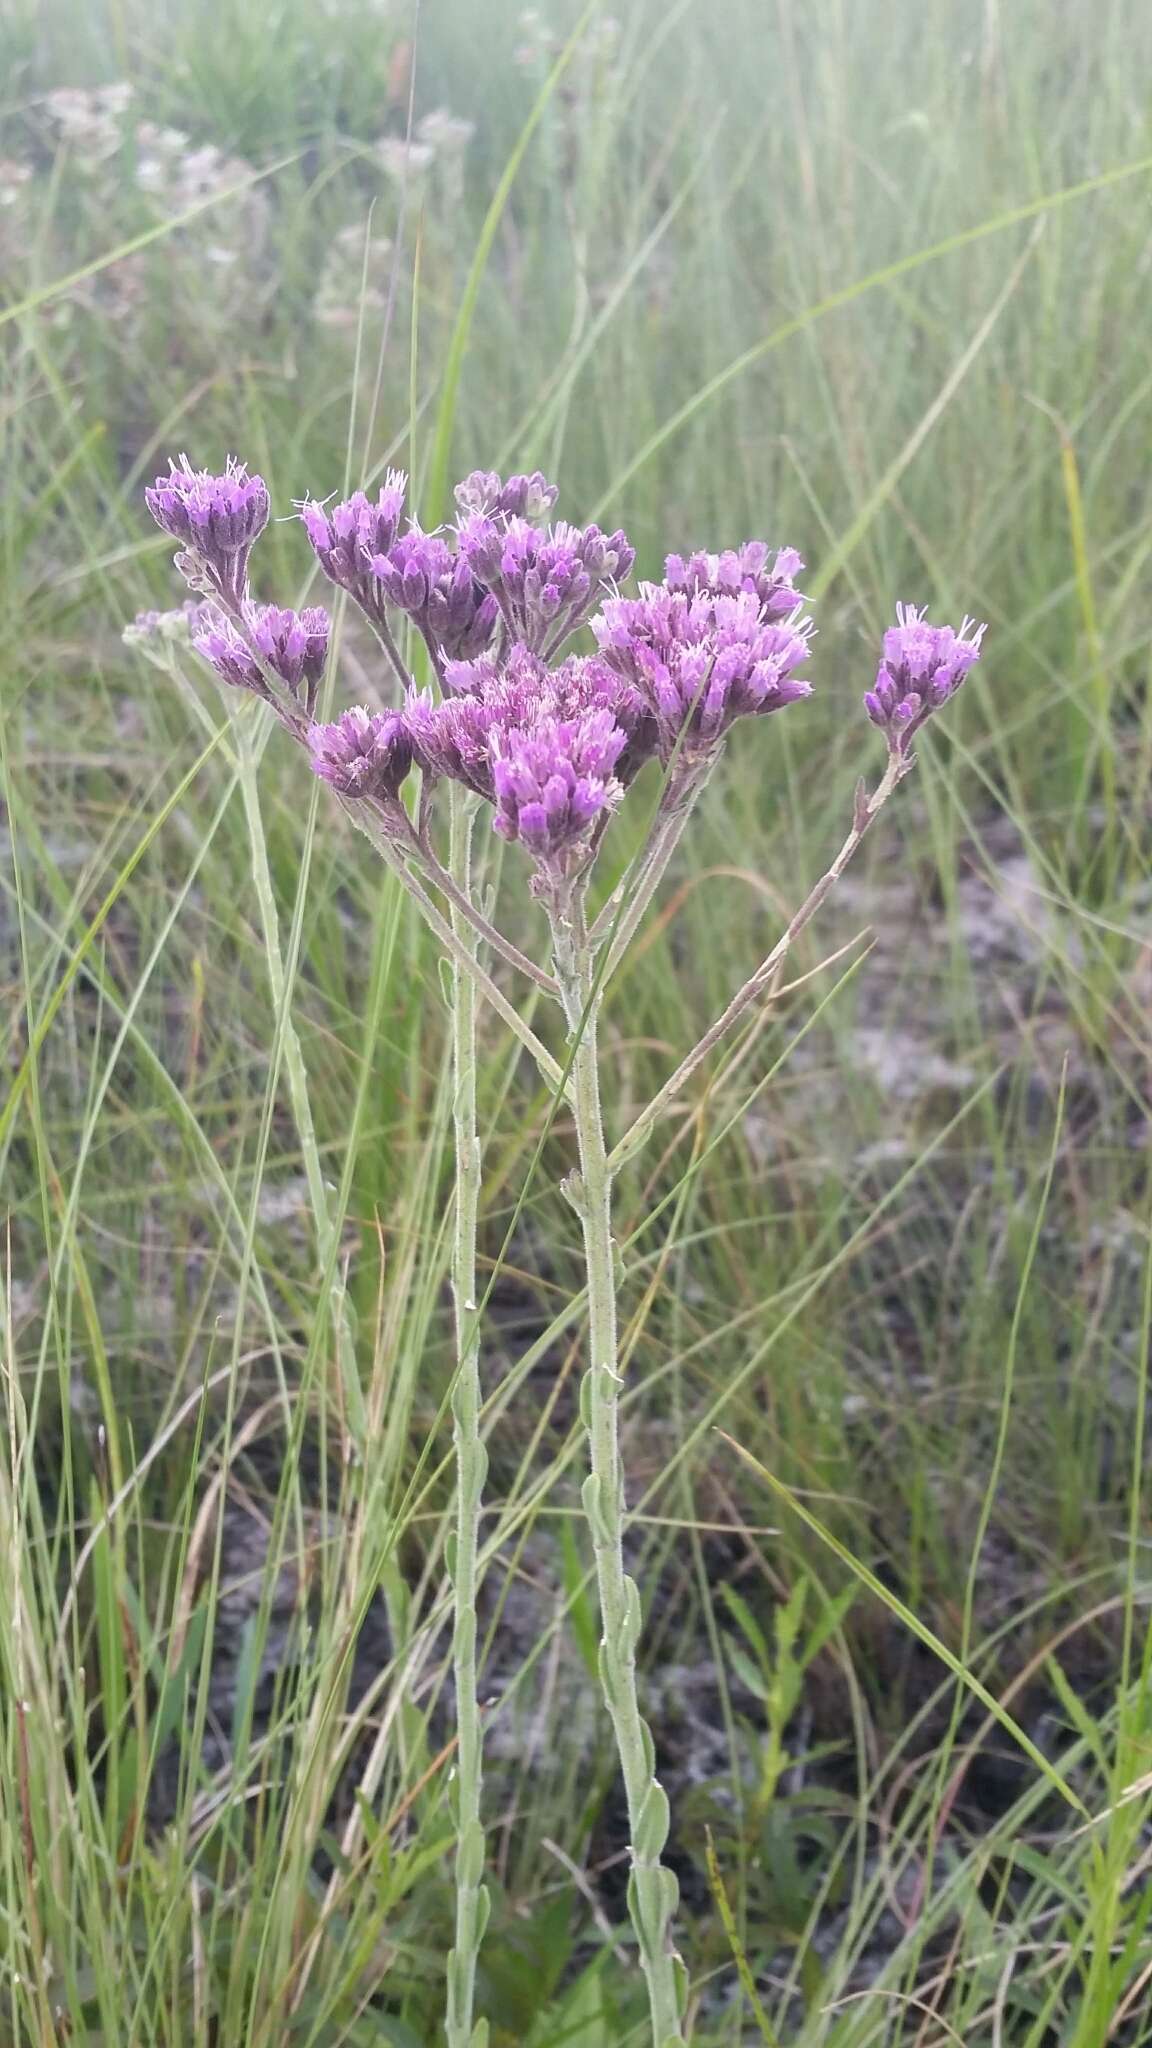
x: 701, y: 661
x: 452, y: 740
x: 740, y: 569
x: 550, y: 749
x: 363, y: 753
x: 922, y: 666
x: 522, y: 497
x: 294, y: 645
x: 546, y: 582
x: 551, y: 744
x: 542, y: 746
x: 582, y: 682
x: 436, y: 588
x: 554, y: 779
x: 360, y: 547
x: 215, y: 518
x: 348, y: 539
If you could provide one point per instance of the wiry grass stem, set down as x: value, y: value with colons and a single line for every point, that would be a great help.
x: 653, y: 1892
x: 324, y: 1223
x: 471, y: 1464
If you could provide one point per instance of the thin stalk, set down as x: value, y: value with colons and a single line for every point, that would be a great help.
x: 460, y: 955
x: 653, y: 1893
x: 639, y: 885
x: 472, y: 1901
x: 323, y: 1221
x: 399, y: 666
x: 465, y: 912
x: 867, y: 809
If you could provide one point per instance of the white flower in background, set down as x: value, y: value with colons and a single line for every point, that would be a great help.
x: 13, y: 179
x: 541, y: 44
x: 206, y: 171
x: 166, y: 142
x: 436, y: 148
x: 401, y: 160
x: 122, y: 157
x: 158, y: 149
x: 115, y: 99
x: 354, y: 275
x: 535, y: 45
x: 178, y: 172
x: 89, y: 123
x: 444, y: 133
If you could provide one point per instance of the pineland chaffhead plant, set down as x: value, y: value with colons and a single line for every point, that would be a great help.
x: 548, y: 741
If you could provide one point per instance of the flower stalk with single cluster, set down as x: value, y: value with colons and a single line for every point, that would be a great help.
x: 547, y: 741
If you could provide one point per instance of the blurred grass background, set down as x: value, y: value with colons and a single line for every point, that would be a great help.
x: 869, y: 280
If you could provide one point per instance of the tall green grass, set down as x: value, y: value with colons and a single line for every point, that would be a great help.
x: 865, y: 279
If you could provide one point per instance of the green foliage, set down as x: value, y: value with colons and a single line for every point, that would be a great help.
x: 754, y: 273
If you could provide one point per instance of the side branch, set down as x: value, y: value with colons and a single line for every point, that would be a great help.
x: 867, y: 808
x: 626, y: 907
x: 393, y: 855
x: 442, y: 879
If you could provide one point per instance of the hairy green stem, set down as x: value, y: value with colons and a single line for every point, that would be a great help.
x: 652, y: 1889
x: 444, y: 880
x: 472, y: 1902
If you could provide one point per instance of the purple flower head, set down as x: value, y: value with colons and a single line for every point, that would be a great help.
x: 416, y: 563
x: 700, y: 662
x: 545, y: 582
x: 554, y: 779
x: 421, y: 576
x: 921, y: 667
x: 215, y: 518
x: 347, y: 536
x: 454, y: 737
x: 740, y: 569
x: 522, y: 497
x: 521, y: 687
x: 294, y: 645
x: 518, y: 670
x: 220, y: 643
x: 363, y: 754
x: 472, y: 678
x: 360, y: 547
x: 492, y: 707
x: 586, y: 682
x: 481, y: 540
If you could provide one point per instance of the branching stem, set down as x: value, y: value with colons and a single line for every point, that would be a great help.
x: 627, y: 907
x: 469, y: 913
x: 867, y: 808
x: 395, y: 857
